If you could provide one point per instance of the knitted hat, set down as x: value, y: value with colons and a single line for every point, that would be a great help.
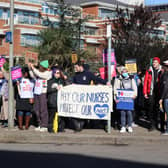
x: 156, y: 59
x: 44, y: 64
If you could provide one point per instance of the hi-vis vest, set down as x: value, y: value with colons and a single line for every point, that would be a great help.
x: 26, y: 89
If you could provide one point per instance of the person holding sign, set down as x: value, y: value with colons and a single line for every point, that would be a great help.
x: 125, y: 88
x: 24, y: 99
x: 84, y: 77
x: 53, y: 85
x: 41, y: 77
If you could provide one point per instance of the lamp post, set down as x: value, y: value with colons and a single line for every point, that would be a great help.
x: 11, y: 96
x: 109, y: 70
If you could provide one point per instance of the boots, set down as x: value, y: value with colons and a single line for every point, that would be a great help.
x: 27, y: 121
x: 20, y: 122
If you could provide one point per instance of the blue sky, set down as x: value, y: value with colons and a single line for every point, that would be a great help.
x: 155, y: 2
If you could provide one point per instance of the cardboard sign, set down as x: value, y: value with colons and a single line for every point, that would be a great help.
x: 85, y: 102
x: 74, y: 58
x: 16, y: 73
x: 26, y: 87
x: 125, y: 100
x: 131, y: 66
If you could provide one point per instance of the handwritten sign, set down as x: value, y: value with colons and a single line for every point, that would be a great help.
x: 85, y: 101
x: 125, y: 101
x: 16, y: 73
x: 26, y: 87
x: 131, y: 66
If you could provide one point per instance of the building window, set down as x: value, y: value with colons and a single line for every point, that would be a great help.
x: 30, y: 40
x: 89, y: 31
x: 106, y: 13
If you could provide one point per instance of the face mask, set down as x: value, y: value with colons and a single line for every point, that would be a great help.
x: 125, y: 75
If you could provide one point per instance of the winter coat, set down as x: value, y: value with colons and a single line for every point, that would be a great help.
x: 52, y: 92
x: 86, y: 77
x: 149, y: 81
x: 164, y: 86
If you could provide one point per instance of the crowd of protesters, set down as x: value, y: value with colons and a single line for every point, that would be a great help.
x: 36, y: 97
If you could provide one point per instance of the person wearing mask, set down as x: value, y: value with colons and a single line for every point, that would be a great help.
x: 41, y: 76
x: 125, y: 82
x: 164, y: 97
x: 151, y: 92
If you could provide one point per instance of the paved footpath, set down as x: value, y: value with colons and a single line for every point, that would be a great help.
x: 86, y: 136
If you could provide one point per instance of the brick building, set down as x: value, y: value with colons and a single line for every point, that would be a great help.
x: 28, y: 22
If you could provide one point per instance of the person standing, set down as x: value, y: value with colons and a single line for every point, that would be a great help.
x: 164, y: 97
x: 83, y: 77
x: 125, y: 82
x: 151, y: 92
x: 41, y: 77
x: 53, y: 85
x: 24, y: 99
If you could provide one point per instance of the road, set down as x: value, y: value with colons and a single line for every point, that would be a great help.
x: 83, y: 156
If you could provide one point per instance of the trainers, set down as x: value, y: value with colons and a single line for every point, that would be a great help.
x: 134, y: 125
x: 165, y: 133
x: 37, y: 128
x: 123, y: 130
x: 43, y: 129
x: 130, y: 130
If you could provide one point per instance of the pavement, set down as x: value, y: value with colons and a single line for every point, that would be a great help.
x: 140, y: 135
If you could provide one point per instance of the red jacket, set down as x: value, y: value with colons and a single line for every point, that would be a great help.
x: 149, y: 81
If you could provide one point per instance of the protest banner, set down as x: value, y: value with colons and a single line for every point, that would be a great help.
x: 16, y: 73
x: 125, y: 99
x: 131, y: 66
x: 85, y: 101
x: 2, y: 61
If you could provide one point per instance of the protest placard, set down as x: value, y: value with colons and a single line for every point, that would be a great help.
x: 125, y: 99
x: 105, y: 57
x: 16, y: 73
x: 85, y: 101
x: 131, y: 66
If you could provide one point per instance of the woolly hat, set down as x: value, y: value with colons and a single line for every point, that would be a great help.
x: 44, y: 64
x: 156, y: 59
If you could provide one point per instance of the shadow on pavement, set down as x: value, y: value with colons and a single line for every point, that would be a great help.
x: 56, y: 160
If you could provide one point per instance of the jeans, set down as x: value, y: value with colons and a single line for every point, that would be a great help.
x: 166, y: 110
x: 126, y: 118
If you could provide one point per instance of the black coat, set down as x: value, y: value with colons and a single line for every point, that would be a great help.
x: 164, y: 86
x: 52, y: 92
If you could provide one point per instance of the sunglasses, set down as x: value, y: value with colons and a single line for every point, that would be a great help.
x: 57, y: 72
